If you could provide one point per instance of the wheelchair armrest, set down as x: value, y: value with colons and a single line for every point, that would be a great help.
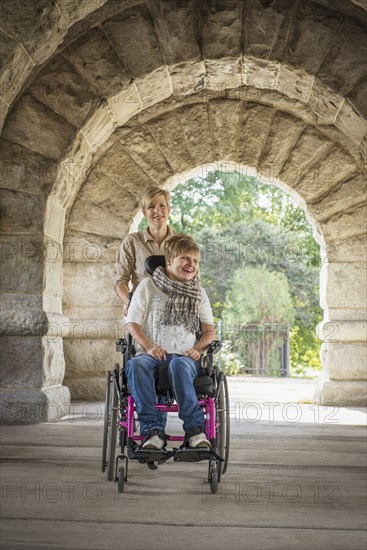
x: 214, y: 347
x: 121, y: 344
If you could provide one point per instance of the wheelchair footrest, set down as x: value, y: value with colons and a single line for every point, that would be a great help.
x: 150, y: 455
x: 195, y: 455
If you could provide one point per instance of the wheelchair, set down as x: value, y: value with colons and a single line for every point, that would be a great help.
x: 120, y: 417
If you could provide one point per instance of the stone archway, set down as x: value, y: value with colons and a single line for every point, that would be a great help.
x: 190, y: 84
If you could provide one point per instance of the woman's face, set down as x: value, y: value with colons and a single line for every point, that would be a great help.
x: 157, y: 212
x: 184, y: 267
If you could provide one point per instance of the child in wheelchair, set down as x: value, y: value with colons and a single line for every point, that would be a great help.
x: 164, y: 316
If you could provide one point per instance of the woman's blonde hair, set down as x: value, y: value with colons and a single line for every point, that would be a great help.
x: 180, y: 244
x: 151, y: 194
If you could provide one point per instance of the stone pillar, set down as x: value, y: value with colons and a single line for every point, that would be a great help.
x: 92, y: 311
x: 344, y: 329
x: 31, y: 352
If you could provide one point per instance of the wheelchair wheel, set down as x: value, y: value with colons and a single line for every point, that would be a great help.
x: 213, y: 479
x: 106, y: 417
x: 223, y: 417
x: 112, y: 433
x: 121, y: 480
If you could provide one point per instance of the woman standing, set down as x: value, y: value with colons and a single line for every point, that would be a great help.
x: 136, y: 247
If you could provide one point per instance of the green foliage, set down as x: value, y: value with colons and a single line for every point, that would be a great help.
x: 242, y: 223
x: 230, y: 362
x: 258, y: 296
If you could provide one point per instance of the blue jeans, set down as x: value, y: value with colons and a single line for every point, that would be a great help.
x: 141, y: 375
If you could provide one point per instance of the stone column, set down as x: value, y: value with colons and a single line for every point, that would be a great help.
x: 343, y: 332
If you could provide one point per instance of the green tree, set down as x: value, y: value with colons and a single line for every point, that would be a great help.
x: 259, y: 298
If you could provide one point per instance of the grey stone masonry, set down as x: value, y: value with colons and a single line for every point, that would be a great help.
x: 101, y: 100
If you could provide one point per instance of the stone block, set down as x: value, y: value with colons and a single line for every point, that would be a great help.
x: 170, y: 139
x: 141, y: 147
x: 52, y: 268
x: 343, y: 66
x: 62, y: 89
x: 357, y: 98
x: 223, y: 74
x: 350, y: 193
x: 113, y: 197
x: 94, y: 219
x: 342, y: 331
x: 88, y: 284
x: 89, y: 389
x: 351, y: 123
x: 22, y: 314
x: 91, y: 356
x: 311, y: 34
x: 254, y: 128
x: 21, y: 212
x: 95, y: 59
x: 33, y: 125
x: 194, y: 122
x: 221, y: 29
x: 324, y: 104
x: 24, y: 170
x: 349, y: 251
x: 346, y: 225
x: 16, y: 67
x: 125, y: 104
x: 54, y: 226
x: 345, y: 361
x: 154, y: 87
x: 85, y: 247
x: 265, y: 30
x: 295, y: 84
x: 21, y: 358
x: 29, y: 406
x: 343, y: 286
x: 326, y: 174
x: 120, y: 168
x: 188, y: 78
x: 143, y: 55
x: 53, y: 368
x: 225, y: 114
x: 39, y: 26
x: 283, y: 134
x: 21, y: 264
x: 340, y: 393
x: 260, y: 73
x: 111, y: 310
x: 98, y: 128
x: 73, y: 12
x: 3, y: 112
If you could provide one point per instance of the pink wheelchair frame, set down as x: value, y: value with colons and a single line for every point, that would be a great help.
x: 120, y: 422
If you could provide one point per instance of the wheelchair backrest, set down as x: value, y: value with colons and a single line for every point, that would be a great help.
x: 152, y: 262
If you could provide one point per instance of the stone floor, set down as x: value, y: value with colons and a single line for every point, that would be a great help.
x: 296, y: 480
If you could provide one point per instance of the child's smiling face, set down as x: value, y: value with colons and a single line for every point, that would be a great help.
x: 184, y: 267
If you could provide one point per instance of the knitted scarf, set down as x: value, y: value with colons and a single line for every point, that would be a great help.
x: 182, y: 307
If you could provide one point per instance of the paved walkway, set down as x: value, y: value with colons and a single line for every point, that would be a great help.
x: 296, y: 480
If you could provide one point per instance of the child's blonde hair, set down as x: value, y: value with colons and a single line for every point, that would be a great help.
x: 180, y: 244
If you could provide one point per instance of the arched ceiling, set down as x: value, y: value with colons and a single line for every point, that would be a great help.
x: 114, y: 96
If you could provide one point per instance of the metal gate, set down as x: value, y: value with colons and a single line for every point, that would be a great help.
x: 262, y: 348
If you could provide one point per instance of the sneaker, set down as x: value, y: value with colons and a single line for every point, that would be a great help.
x: 199, y: 441
x: 154, y: 442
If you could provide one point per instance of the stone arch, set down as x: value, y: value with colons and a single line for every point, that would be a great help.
x: 101, y: 98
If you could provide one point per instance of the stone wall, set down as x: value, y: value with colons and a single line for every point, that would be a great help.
x: 101, y: 99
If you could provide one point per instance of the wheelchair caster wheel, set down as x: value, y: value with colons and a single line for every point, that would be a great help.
x: 152, y: 465
x: 213, y: 482
x: 121, y: 480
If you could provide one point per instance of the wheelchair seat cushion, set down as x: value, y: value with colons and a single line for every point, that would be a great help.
x: 203, y: 384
